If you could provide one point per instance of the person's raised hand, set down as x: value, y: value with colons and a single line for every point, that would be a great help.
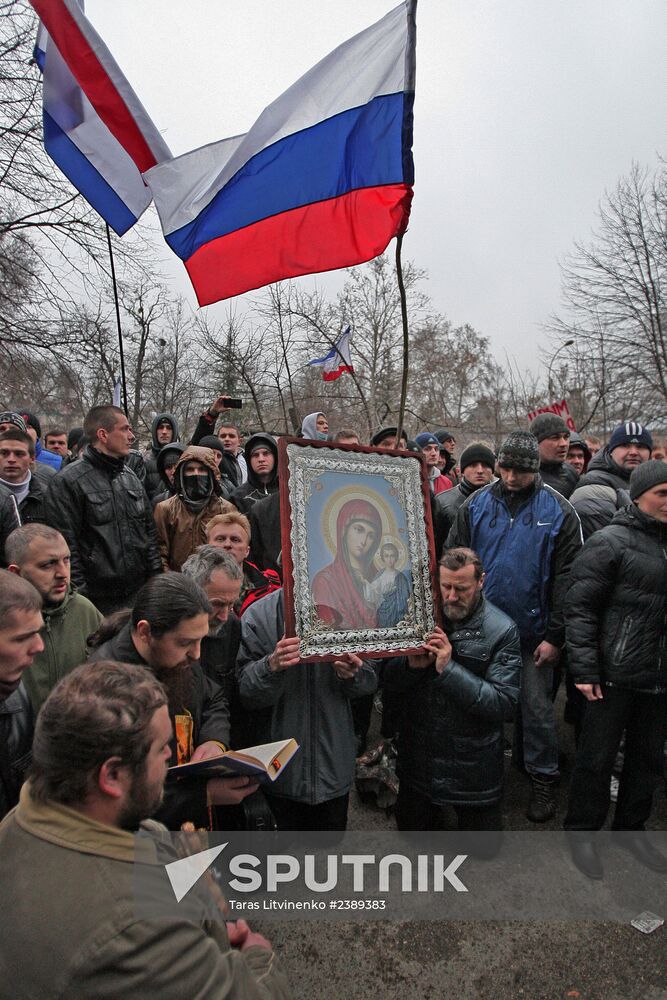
x: 219, y: 405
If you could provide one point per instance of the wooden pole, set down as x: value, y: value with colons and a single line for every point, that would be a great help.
x: 404, y: 316
x: 120, y: 332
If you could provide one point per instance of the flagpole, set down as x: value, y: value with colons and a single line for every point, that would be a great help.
x: 120, y: 332
x: 404, y: 317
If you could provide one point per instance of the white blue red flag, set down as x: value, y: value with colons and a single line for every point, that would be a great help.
x: 95, y: 128
x: 322, y: 180
x: 338, y: 360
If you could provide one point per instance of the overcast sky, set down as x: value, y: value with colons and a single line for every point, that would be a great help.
x: 525, y: 113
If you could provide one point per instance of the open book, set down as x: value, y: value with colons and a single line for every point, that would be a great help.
x: 263, y: 762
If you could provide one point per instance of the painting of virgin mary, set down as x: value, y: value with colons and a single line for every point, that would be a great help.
x: 342, y: 592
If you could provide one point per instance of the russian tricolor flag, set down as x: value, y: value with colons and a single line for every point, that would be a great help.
x: 322, y: 180
x: 102, y: 141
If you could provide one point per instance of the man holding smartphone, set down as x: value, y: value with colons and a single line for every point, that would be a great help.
x: 231, y: 439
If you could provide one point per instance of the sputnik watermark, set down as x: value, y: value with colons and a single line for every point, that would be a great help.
x: 389, y: 875
x: 250, y: 874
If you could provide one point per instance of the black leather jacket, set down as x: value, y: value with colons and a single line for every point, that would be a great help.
x: 32, y: 507
x: 451, y: 735
x: 8, y: 520
x: 16, y: 729
x: 102, y: 510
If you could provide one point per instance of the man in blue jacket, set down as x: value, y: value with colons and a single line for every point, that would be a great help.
x: 526, y: 535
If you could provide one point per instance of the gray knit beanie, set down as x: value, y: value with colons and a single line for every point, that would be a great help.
x: 520, y: 451
x: 546, y: 424
x: 646, y: 476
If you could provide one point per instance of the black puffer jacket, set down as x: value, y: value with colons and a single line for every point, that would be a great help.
x: 153, y: 482
x: 616, y: 609
x: 559, y: 476
x: 245, y: 496
x: 266, y: 543
x: 103, y: 512
x: 451, y: 740
x: 600, y: 492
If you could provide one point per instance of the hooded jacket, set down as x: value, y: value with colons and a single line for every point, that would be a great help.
x: 180, y: 521
x: 576, y: 441
x: 102, y: 511
x: 600, y: 492
x: 617, y: 605
x: 88, y: 937
x: 309, y: 427
x: 65, y: 635
x: 266, y: 544
x: 245, y: 496
x: 153, y: 482
x: 166, y: 488
x: 307, y: 702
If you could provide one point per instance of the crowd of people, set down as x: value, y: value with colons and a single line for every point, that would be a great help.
x: 142, y: 624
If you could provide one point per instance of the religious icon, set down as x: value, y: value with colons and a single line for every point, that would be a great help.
x: 357, y: 549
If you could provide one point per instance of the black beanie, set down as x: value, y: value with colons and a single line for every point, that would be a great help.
x: 477, y: 453
x: 210, y: 441
x: 646, y: 476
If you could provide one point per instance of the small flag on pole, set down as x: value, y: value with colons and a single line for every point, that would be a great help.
x: 337, y: 360
x: 116, y: 393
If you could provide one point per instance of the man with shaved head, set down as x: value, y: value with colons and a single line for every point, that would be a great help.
x: 40, y: 555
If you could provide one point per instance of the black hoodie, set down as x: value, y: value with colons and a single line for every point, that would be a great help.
x: 245, y: 496
x: 153, y: 483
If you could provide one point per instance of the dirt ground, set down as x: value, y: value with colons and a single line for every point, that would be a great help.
x: 429, y: 960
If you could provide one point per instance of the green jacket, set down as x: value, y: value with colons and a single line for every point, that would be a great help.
x: 73, y: 931
x: 66, y: 629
